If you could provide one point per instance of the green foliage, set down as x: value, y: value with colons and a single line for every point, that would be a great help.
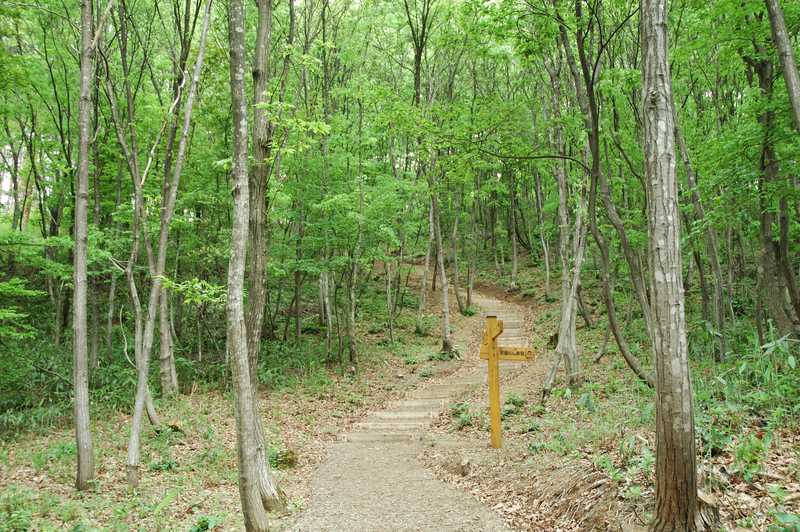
x: 749, y: 455
x: 58, y: 452
x: 462, y: 414
x: 198, y: 292
x: 785, y: 522
x: 443, y: 356
x: 164, y: 464
x: 14, y: 324
x: 205, y: 523
x: 16, y: 510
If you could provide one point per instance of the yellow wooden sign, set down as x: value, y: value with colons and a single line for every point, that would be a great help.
x: 493, y: 353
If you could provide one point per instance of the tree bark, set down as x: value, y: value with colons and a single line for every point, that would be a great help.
x: 542, y: 240
x: 83, y: 434
x: 167, y: 371
x: 571, y: 256
x: 454, y: 251
x: 712, y: 243
x: 676, y: 483
x: 249, y: 442
x: 786, y: 56
x: 447, y: 344
x: 423, y: 291
x: 512, y: 234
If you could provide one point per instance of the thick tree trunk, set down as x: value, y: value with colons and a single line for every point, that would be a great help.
x: 83, y: 434
x: 249, y: 441
x: 676, y: 483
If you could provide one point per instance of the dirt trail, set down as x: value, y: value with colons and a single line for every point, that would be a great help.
x: 372, y: 479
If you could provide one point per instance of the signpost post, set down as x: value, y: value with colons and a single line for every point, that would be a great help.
x: 493, y: 353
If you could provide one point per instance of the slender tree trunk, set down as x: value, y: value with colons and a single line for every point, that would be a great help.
x: 83, y: 434
x: 352, y: 345
x: 772, y: 278
x: 157, y: 266
x: 542, y: 240
x: 676, y: 483
x: 712, y: 243
x: 112, y: 290
x: 387, y: 265
x: 471, y: 261
x: 570, y: 269
x: 447, y: 345
x: 326, y: 291
x: 298, y: 281
x: 786, y: 56
x: 423, y: 292
x: 167, y: 371
x: 512, y: 234
x: 454, y: 251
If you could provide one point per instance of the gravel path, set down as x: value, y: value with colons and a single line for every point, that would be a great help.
x: 372, y: 481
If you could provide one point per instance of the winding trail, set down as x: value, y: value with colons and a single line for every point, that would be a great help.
x: 371, y: 480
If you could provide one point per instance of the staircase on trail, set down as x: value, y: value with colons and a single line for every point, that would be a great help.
x: 372, y: 479
x: 405, y: 420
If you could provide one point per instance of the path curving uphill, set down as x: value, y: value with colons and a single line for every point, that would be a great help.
x: 371, y: 480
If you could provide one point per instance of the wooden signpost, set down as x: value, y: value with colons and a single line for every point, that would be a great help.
x: 493, y: 353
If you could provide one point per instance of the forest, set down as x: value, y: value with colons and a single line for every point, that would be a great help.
x: 249, y: 250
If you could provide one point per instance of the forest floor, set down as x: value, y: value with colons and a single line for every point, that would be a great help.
x: 582, y: 461
x: 189, y: 477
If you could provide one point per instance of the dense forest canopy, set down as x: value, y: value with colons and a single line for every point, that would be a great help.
x: 228, y: 194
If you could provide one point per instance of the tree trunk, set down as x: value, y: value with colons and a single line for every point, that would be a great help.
x: 512, y: 234
x: 423, y: 291
x: 772, y: 279
x: 249, y: 443
x: 157, y: 262
x: 676, y: 484
x: 712, y: 243
x: 298, y: 281
x: 454, y: 251
x: 570, y: 273
x: 167, y: 372
x: 387, y: 265
x: 110, y: 317
x: 542, y: 240
x: 447, y: 345
x: 83, y: 434
x: 786, y: 56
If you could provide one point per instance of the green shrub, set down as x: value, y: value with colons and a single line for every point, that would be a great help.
x: 16, y: 510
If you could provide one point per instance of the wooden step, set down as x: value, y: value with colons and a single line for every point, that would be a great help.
x: 393, y: 425
x: 417, y: 415
x: 379, y: 437
x: 428, y: 405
